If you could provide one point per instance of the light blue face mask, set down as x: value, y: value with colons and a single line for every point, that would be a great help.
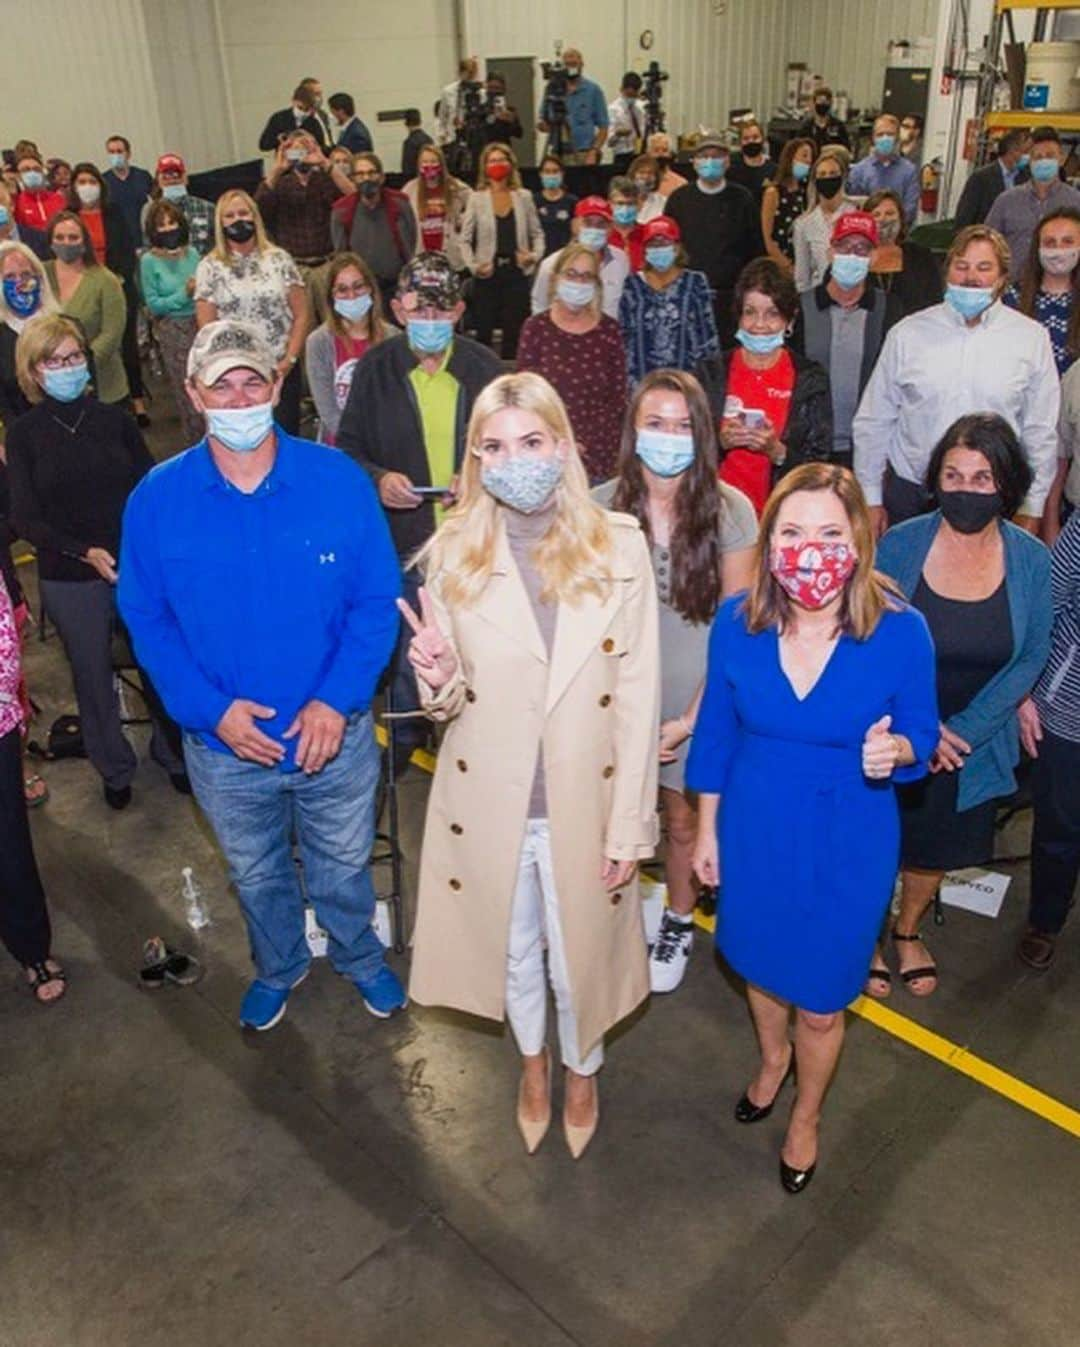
x: 884, y: 145
x: 1023, y: 162
x: 969, y: 301
x: 32, y: 179
x: 66, y: 384
x: 710, y: 169
x: 429, y: 336
x: 759, y: 343
x: 849, y: 270
x: 1044, y: 170
x: 800, y: 171
x: 660, y: 259
x: 551, y: 182
x: 593, y: 239
x: 624, y: 214
x: 241, y: 429
x: 5, y: 216
x: 174, y: 191
x: 117, y: 160
x: 352, y: 310
x: 522, y: 483
x: 575, y: 294
x: 665, y: 455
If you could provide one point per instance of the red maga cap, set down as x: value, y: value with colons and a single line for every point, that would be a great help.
x: 592, y: 205
x: 171, y: 163
x: 663, y: 227
x: 855, y: 222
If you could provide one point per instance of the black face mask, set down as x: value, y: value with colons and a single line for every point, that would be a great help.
x: 240, y: 231
x: 369, y: 190
x: 752, y: 149
x: 167, y: 238
x: 303, y: 168
x: 823, y: 108
x: 969, y: 511
x: 829, y: 186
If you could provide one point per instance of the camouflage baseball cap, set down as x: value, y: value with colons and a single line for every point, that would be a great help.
x: 224, y: 345
x: 431, y: 278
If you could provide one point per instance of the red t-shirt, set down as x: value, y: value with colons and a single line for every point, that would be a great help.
x: 433, y: 225
x: 347, y: 351
x: 766, y: 391
x: 95, y: 227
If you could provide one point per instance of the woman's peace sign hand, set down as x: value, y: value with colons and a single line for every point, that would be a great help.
x: 430, y: 653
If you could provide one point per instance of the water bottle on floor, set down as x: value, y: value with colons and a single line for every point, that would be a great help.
x: 195, y: 909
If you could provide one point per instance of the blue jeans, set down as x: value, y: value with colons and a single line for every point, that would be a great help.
x: 254, y: 811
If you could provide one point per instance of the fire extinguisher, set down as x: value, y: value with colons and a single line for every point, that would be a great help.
x: 928, y: 182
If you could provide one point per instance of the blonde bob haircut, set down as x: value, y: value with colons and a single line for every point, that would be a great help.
x: 221, y: 243
x: 565, y: 259
x: 48, y: 299
x: 514, y: 180
x: 868, y: 593
x: 38, y: 340
x: 574, y: 556
x: 980, y: 233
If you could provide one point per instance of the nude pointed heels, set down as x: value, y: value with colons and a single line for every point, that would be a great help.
x: 578, y: 1138
x: 533, y: 1131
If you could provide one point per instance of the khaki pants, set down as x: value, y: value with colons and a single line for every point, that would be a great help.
x: 315, y: 285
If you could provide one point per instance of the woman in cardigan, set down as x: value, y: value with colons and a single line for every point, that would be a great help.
x: 354, y: 324
x: 501, y: 243
x: 538, y: 645
x: 94, y: 297
x: 983, y: 585
x: 899, y: 267
x: 167, y: 276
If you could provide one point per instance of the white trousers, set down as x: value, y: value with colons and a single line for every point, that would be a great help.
x: 534, y: 920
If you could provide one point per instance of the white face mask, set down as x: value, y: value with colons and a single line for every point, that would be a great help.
x: 1059, y: 261
x: 89, y: 193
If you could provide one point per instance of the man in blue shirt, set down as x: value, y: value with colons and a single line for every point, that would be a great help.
x: 258, y: 581
x: 351, y: 131
x: 129, y: 187
x: 886, y: 168
x: 586, y: 124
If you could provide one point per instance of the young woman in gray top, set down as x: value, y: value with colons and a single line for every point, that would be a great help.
x: 354, y: 324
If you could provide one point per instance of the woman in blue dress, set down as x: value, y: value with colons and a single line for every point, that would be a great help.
x: 820, y: 694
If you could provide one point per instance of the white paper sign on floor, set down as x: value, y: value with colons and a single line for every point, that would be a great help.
x: 975, y: 890
x: 316, y: 936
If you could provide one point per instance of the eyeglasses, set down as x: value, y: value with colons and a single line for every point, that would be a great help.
x: 580, y: 275
x: 64, y: 361
x: 366, y: 173
x: 351, y: 291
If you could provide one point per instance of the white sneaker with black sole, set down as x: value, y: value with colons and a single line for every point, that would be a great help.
x: 671, y: 952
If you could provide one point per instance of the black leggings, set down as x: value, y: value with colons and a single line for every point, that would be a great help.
x: 24, y: 918
x: 501, y: 300
x: 129, y: 347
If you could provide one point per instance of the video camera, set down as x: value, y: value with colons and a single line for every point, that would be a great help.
x: 653, y: 94
x: 463, y: 154
x: 556, y: 88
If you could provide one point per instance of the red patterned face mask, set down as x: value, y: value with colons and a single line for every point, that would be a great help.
x: 813, y: 573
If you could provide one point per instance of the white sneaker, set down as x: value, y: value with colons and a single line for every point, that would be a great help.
x: 671, y: 952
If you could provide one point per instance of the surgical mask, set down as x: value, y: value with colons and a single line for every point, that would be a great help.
x: 167, y: 239
x: 239, y: 231
x: 5, y: 216
x: 665, y: 455
x: 885, y: 145
x: 969, y: 301
x: 429, y: 336
x: 66, y: 384
x: 174, y: 191
x: 32, y: 179
x: 551, y: 182
x: 1044, y: 170
x: 575, y: 294
x: 1059, y: 261
x: 888, y: 231
x: 241, y: 429
x: 624, y: 215
x: 849, y: 270
x: 117, y: 160
x: 1023, y: 162
x: 813, y: 573
x: 828, y: 185
x: 352, y: 310
x: 759, y: 343
x: 294, y: 154
x: 645, y: 185
x: 969, y: 511
x: 800, y: 171
x: 710, y: 169
x: 593, y: 239
x: 89, y: 193
x: 522, y: 483
x: 660, y: 259
x: 752, y: 148
x: 22, y: 299
x: 67, y: 252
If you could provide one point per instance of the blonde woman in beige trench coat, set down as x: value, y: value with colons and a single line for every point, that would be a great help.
x: 537, y: 645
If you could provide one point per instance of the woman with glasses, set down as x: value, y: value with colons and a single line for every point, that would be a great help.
x: 24, y: 291
x: 579, y: 351
x: 355, y: 324
x: 94, y: 297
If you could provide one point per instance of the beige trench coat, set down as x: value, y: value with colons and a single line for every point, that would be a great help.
x: 593, y: 711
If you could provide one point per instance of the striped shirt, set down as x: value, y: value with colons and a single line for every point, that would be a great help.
x: 1057, y: 693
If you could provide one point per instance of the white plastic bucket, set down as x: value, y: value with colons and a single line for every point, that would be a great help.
x: 1050, y: 80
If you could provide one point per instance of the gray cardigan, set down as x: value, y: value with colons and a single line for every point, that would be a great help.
x: 478, y: 230
x: 319, y: 362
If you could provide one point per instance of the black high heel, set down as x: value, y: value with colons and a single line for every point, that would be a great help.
x: 795, y: 1180
x: 746, y: 1111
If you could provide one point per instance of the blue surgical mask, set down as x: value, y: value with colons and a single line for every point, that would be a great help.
x: 575, y: 294
x: 661, y: 258
x: 885, y: 145
x: 593, y: 238
x: 969, y: 301
x: 1023, y: 162
x: 666, y: 455
x: 759, y: 343
x: 5, y: 216
x: 849, y: 270
x: 117, y: 160
x: 711, y: 169
x: 352, y: 310
x: 522, y: 483
x: 32, y: 179
x: 1044, y: 170
x: 800, y: 171
x: 174, y: 191
x: 22, y: 301
x: 241, y: 429
x: 551, y: 182
x: 429, y: 336
x: 66, y: 384
x: 624, y: 215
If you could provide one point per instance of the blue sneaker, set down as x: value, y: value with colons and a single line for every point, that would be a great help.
x: 263, y: 1006
x: 383, y: 994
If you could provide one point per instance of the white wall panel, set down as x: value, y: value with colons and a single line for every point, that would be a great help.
x: 189, y: 75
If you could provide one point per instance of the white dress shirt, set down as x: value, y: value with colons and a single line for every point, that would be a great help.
x: 811, y: 237
x: 933, y: 368
x: 627, y: 119
x: 614, y: 269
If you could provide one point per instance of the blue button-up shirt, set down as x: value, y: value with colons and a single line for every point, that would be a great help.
x: 281, y: 596
x: 586, y: 112
x: 896, y: 173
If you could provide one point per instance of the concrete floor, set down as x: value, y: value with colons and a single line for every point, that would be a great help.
x: 165, y: 1178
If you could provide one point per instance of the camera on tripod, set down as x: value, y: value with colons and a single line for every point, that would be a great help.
x: 653, y: 95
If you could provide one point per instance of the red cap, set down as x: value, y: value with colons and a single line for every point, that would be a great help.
x: 592, y: 205
x: 171, y: 163
x: 859, y: 222
x: 663, y: 227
